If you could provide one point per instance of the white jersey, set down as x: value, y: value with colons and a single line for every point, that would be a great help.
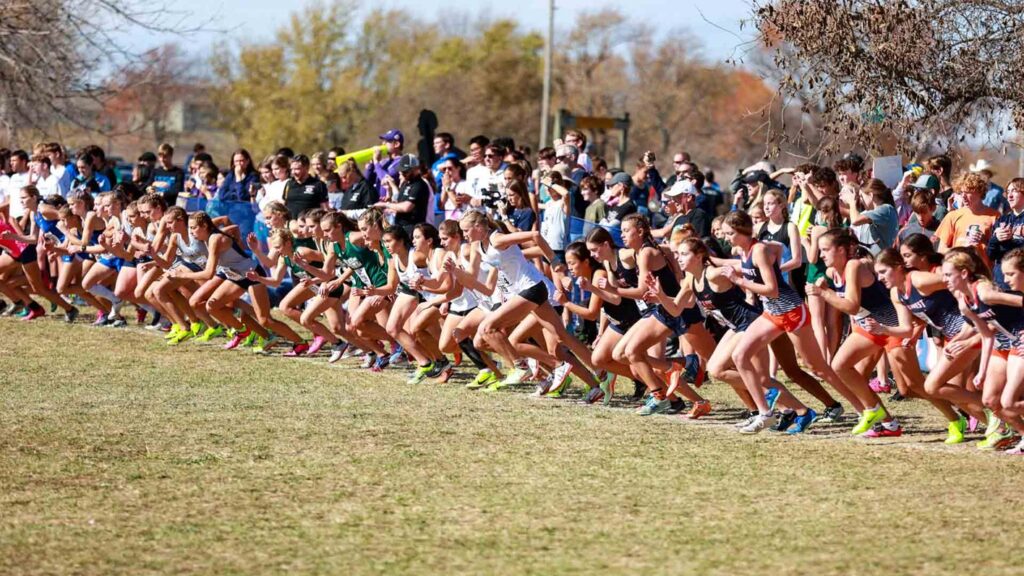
x: 515, y: 272
x: 469, y: 299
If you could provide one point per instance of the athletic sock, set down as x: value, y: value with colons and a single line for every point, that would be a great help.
x: 107, y: 294
x: 472, y: 353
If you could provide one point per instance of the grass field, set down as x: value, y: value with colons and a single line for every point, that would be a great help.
x: 121, y: 455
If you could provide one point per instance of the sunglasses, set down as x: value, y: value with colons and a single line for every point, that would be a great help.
x: 447, y: 168
x: 490, y: 155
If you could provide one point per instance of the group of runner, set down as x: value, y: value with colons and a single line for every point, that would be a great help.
x: 808, y: 297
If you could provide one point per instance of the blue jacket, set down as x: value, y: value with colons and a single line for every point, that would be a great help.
x: 231, y: 190
x: 997, y: 249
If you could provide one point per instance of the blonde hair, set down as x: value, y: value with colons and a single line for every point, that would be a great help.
x: 280, y: 237
x: 966, y: 259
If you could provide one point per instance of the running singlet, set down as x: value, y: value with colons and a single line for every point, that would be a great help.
x: 795, y: 277
x: 515, y: 272
x: 468, y: 299
x: 625, y: 313
x: 938, y: 309
x: 730, y: 308
x: 874, y: 304
x: 48, y: 227
x: 366, y: 265
x: 194, y: 253
x: 234, y: 263
x: 1006, y: 321
x: 787, y: 300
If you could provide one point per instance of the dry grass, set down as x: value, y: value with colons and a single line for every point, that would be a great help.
x: 121, y: 455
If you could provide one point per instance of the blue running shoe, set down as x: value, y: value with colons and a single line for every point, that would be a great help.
x: 397, y: 357
x: 802, y: 423
x: 771, y: 396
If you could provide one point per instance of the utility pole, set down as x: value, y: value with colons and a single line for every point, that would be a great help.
x: 545, y: 106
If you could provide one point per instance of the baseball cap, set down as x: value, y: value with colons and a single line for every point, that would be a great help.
x: 407, y: 162
x: 393, y: 134
x: 757, y: 176
x: 679, y: 188
x: 621, y: 178
x: 926, y: 182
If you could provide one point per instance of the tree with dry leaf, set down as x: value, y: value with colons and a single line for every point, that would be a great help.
x: 911, y: 73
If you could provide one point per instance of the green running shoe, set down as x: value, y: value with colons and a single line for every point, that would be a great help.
x: 868, y: 419
x: 180, y: 337
x: 250, y: 339
x: 263, y: 345
x: 996, y: 439
x: 607, y: 385
x: 210, y: 334
x: 173, y: 333
x: 514, y: 377
x: 955, y: 431
x: 483, y: 378
x: 420, y: 374
x: 197, y: 328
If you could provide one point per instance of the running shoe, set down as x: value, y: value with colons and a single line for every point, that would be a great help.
x: 118, y: 322
x: 1017, y: 450
x: 445, y: 374
x: 694, y: 370
x: 381, y: 363
x: 955, y: 431
x: 991, y: 422
x: 101, y: 319
x: 483, y: 378
x: 173, y: 332
x: 516, y: 376
x: 972, y: 424
x: 214, y: 331
x: 559, y: 377
x: 533, y: 368
x: 897, y: 397
x: 758, y: 423
x: 802, y: 422
x: 338, y: 351
x: 235, y: 340
x: 593, y: 395
x: 3, y: 307
x: 653, y: 406
x: 420, y: 374
x: 260, y: 344
x: 771, y: 396
x: 352, y: 352
x: 997, y: 440
x: 398, y: 356
x: 438, y: 366
x: 700, y: 408
x: 197, y: 328
x: 316, y: 345
x: 180, y: 337
x: 250, y: 340
x: 25, y: 311
x: 882, y: 430
x: 746, y: 417
x: 543, y: 385
x: 677, y: 405
x: 154, y: 324
x: 369, y: 360
x: 868, y: 419
x: 299, y: 349
x: 140, y: 316
x: 457, y: 357
x: 18, y: 308
x: 607, y: 385
x: 33, y: 313
x: 833, y: 413
x: 71, y: 315
x: 879, y: 387
x: 786, y: 419
x: 558, y: 392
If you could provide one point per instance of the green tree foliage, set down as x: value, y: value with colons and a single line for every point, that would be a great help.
x: 321, y: 83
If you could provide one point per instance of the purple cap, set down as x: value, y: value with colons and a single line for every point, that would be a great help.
x: 393, y: 134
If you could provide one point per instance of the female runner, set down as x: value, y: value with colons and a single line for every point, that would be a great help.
x: 999, y: 318
x: 784, y: 313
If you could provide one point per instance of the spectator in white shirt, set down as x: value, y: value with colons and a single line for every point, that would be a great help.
x: 19, y: 179
x: 43, y: 178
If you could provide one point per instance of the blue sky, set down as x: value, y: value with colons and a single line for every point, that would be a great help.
x: 258, y: 19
